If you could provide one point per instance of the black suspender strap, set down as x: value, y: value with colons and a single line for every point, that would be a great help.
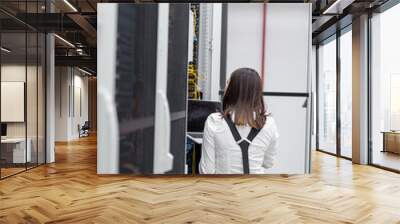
x: 233, y: 128
x: 243, y: 143
x: 253, y: 133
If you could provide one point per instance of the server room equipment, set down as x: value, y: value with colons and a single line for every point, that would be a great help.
x: 142, y: 88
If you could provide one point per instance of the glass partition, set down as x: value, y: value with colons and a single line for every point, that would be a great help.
x: 334, y: 101
x: 385, y: 89
x: 22, y: 88
x: 327, y: 97
x: 14, y: 153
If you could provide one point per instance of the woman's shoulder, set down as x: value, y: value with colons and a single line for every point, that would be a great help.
x: 270, y: 122
x: 270, y: 128
x: 215, y: 117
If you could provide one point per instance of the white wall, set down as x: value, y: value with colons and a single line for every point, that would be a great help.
x: 244, y: 37
x: 12, y: 101
x: 287, y: 69
x: 11, y: 73
x: 17, y: 73
x: 288, y: 43
x: 70, y: 83
x: 80, y: 84
x: 33, y: 125
x: 61, y: 103
x: 14, y: 73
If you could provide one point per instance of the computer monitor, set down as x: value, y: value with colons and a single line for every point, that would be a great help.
x: 3, y: 129
x: 198, y: 111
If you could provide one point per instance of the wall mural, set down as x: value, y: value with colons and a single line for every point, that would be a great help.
x: 155, y: 115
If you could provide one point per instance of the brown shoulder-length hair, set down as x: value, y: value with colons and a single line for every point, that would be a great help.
x: 243, y: 97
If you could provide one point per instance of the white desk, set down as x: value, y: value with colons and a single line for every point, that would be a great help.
x: 19, y: 155
x: 195, y: 138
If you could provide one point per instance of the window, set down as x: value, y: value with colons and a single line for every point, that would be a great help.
x: 335, y: 74
x: 327, y: 97
x: 346, y: 94
x: 394, y: 102
x: 385, y: 89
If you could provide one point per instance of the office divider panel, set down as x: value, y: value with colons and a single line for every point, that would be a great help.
x: 177, y: 81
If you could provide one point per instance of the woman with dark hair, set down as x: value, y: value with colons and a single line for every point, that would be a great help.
x: 243, y: 138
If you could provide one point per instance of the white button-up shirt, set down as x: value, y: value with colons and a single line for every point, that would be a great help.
x: 222, y: 155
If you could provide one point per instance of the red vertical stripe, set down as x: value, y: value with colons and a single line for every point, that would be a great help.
x: 263, y: 50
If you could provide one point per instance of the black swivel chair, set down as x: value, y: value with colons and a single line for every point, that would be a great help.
x: 84, y: 130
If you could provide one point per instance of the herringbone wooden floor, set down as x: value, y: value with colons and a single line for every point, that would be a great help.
x: 69, y: 191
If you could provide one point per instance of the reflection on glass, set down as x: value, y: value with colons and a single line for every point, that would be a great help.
x: 346, y: 94
x: 385, y: 114
x: 327, y: 97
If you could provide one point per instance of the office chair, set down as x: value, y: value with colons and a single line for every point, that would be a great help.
x: 84, y: 130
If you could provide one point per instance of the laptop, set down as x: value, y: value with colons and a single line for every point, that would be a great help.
x: 198, y: 111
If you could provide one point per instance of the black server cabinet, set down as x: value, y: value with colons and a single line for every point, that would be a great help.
x: 136, y: 78
x: 136, y: 86
x: 177, y: 81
